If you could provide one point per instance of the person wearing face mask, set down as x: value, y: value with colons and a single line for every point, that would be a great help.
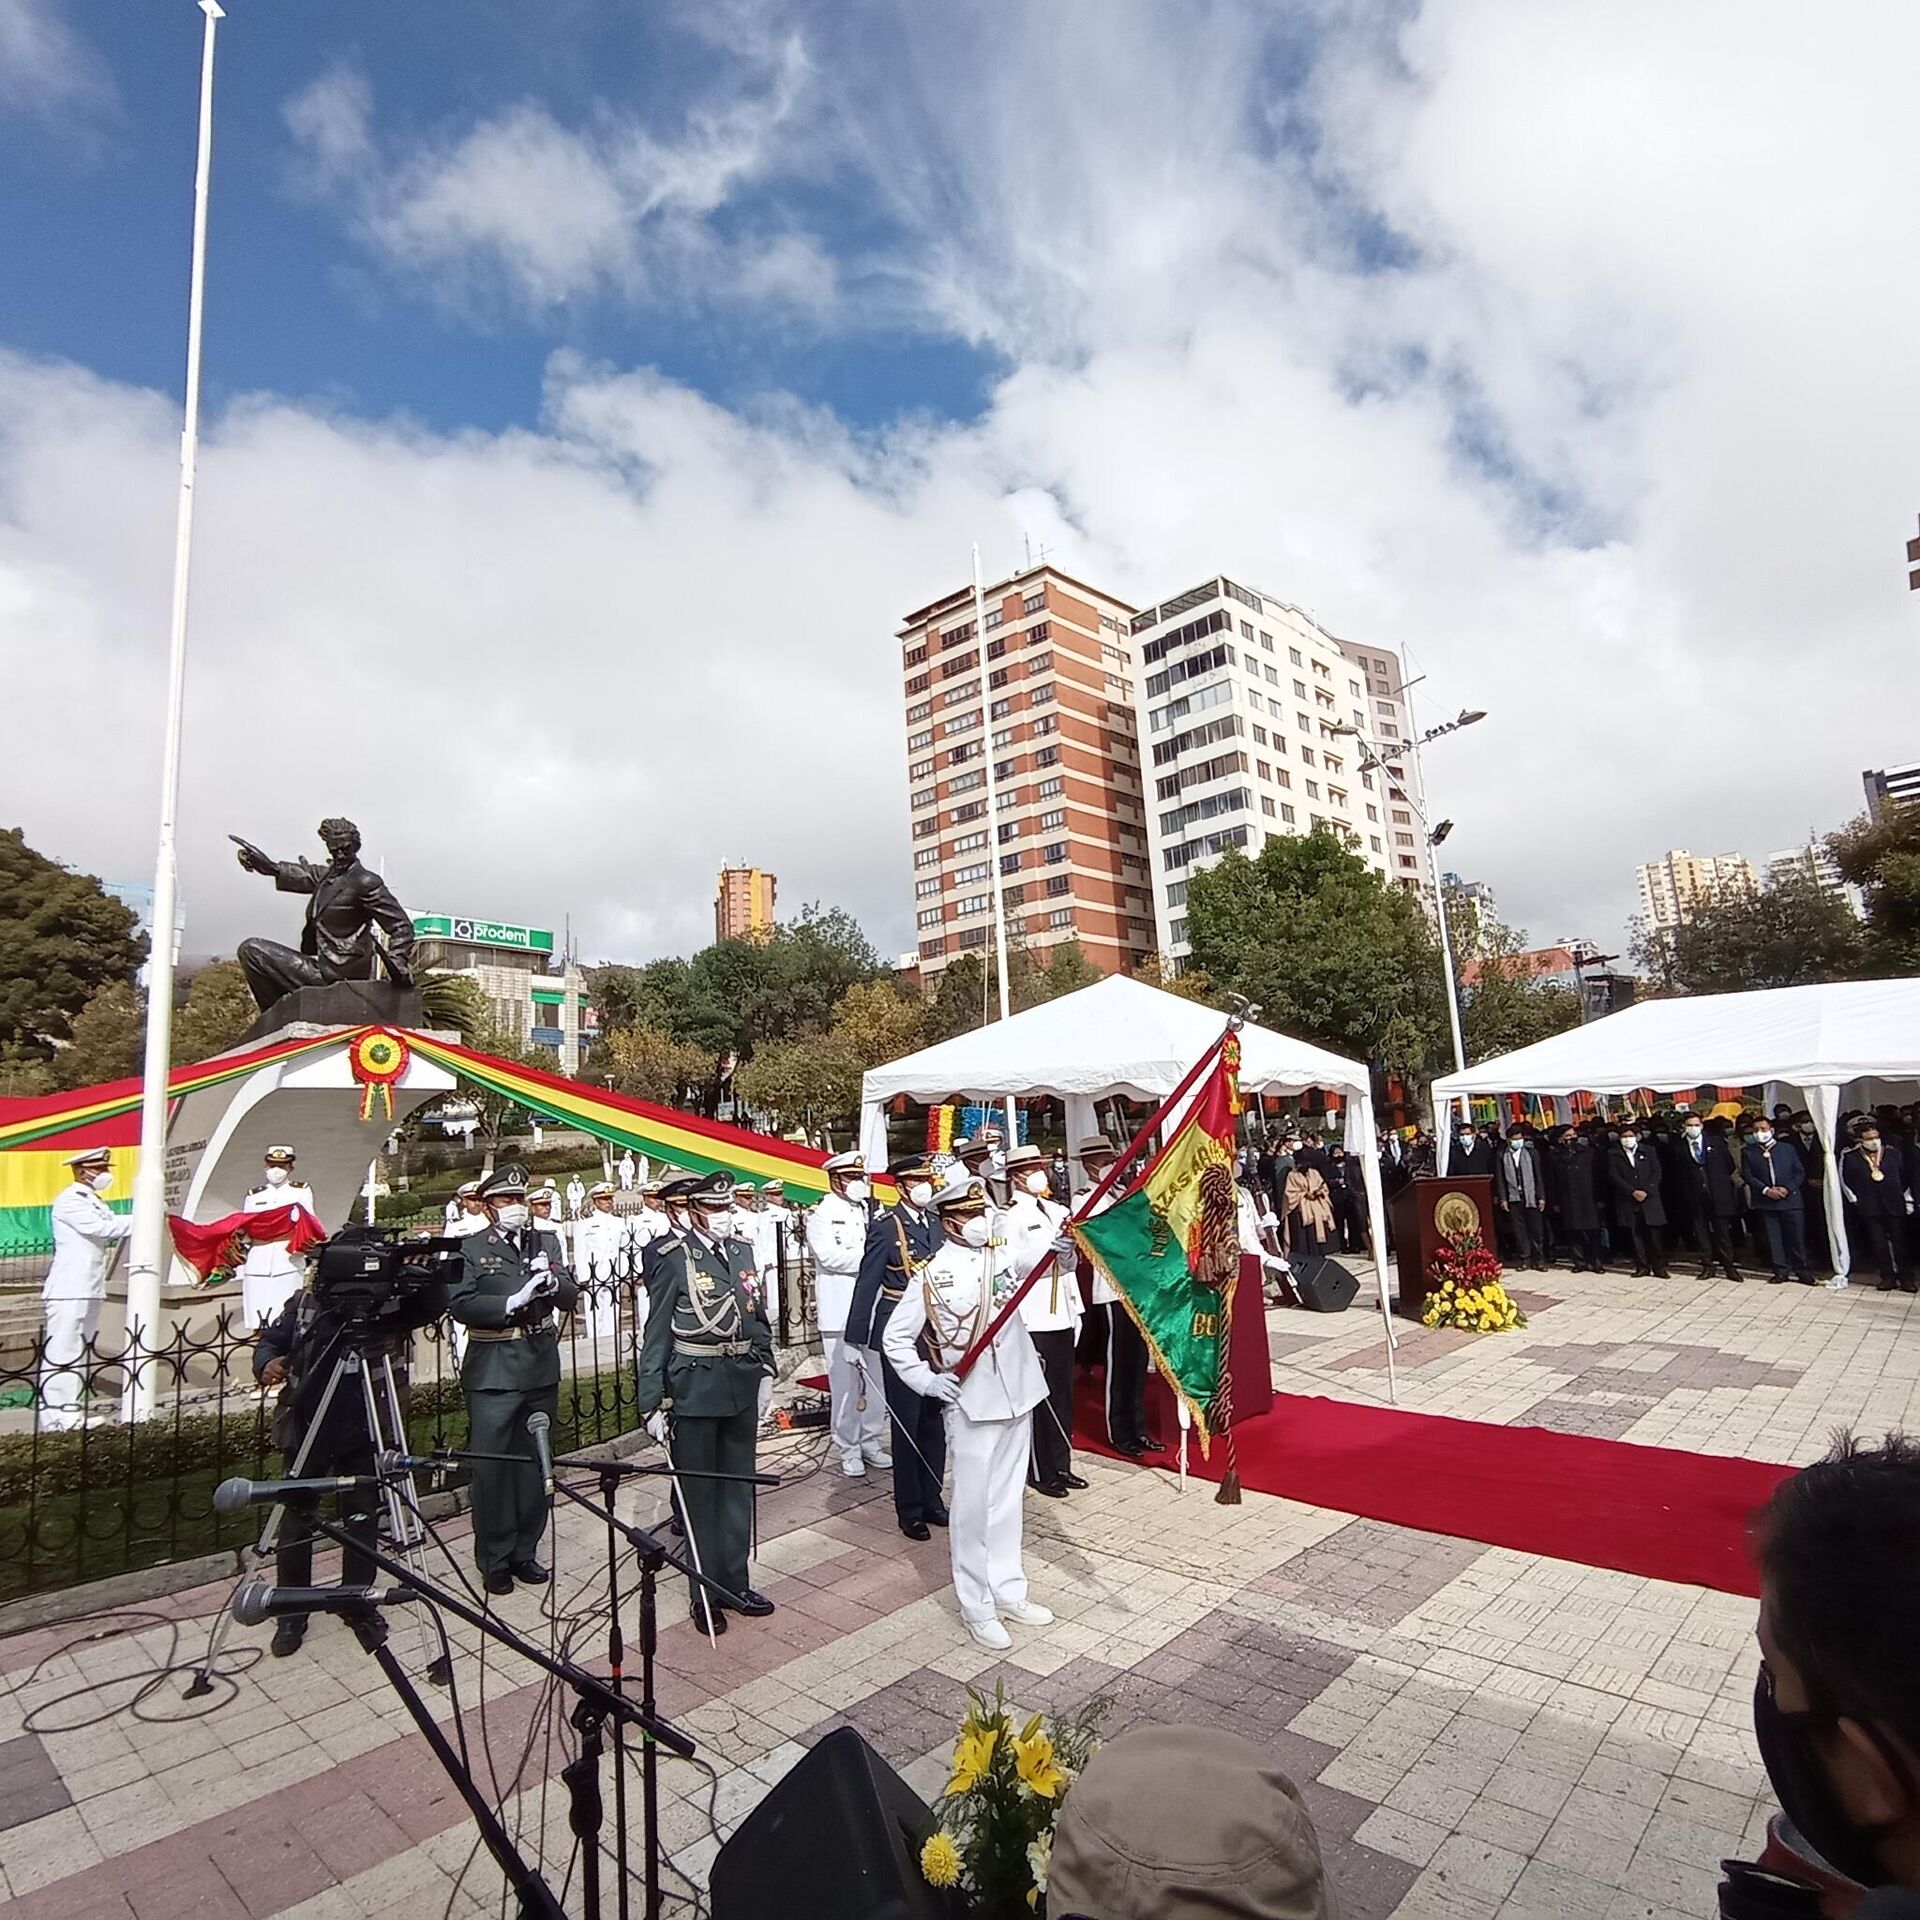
x: 270, y: 1276
x: 675, y: 1220
x: 1034, y: 1225
x: 708, y: 1348
x: 1707, y: 1199
x: 979, y: 1158
x: 1633, y: 1174
x: 989, y: 1414
x: 86, y: 1232
x: 512, y: 1282
x: 837, y: 1240
x: 1473, y: 1154
x: 603, y: 1267
x: 1836, y: 1708
x: 1874, y: 1179
x: 1774, y: 1175
x: 901, y: 1239
x: 465, y: 1214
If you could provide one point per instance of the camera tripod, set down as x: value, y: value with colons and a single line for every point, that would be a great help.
x: 354, y: 1370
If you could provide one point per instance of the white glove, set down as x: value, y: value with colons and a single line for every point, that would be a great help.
x: 1064, y: 1245
x: 947, y: 1388
x: 540, y: 1287
x: 657, y: 1425
x: 539, y: 1264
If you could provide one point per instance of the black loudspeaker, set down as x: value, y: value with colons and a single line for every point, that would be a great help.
x: 840, y: 1835
x: 1324, y: 1285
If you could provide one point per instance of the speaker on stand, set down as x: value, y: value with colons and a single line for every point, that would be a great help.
x: 1323, y: 1284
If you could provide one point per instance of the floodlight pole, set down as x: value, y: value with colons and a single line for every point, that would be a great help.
x: 148, y: 1248
x: 993, y: 821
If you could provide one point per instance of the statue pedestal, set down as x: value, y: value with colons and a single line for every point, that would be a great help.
x: 347, y: 1003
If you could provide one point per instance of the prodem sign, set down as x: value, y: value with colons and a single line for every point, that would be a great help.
x: 482, y: 933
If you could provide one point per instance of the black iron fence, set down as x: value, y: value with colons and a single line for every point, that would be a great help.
x: 87, y: 1492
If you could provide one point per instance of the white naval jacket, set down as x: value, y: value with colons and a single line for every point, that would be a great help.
x: 1103, y: 1294
x: 85, y: 1232
x: 1030, y: 1227
x: 836, y: 1237
x: 269, y: 1259
x: 600, y: 1247
x: 968, y: 1286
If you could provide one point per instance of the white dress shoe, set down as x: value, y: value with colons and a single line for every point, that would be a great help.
x: 853, y: 1466
x: 1028, y: 1613
x: 876, y: 1456
x: 990, y: 1634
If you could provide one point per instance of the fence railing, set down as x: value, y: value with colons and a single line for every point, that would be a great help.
x: 85, y: 1494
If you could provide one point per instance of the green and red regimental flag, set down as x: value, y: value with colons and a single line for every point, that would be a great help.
x: 1170, y: 1245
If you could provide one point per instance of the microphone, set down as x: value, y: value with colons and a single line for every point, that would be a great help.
x: 258, y: 1600
x: 231, y: 1496
x: 537, y: 1425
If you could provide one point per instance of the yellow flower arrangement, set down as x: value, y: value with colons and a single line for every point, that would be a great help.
x: 1033, y: 1761
x: 972, y: 1756
x: 1469, y: 1295
x: 940, y: 1860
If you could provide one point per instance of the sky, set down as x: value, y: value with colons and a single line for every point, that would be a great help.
x: 591, y: 388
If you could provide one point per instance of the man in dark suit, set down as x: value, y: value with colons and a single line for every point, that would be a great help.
x: 1572, y: 1204
x: 1520, y: 1194
x: 512, y: 1282
x: 1873, y: 1175
x: 1775, y: 1175
x: 1473, y: 1154
x: 1633, y: 1175
x: 337, y: 942
x: 1706, y: 1197
x: 901, y: 1239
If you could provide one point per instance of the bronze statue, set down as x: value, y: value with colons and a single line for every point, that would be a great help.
x: 339, y: 941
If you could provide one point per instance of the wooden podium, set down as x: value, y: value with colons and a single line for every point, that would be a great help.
x: 1249, y: 1356
x: 1425, y: 1214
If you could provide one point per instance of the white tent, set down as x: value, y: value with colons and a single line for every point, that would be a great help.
x: 1859, y: 1035
x: 1120, y: 1037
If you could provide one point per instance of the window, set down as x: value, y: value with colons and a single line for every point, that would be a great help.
x: 1046, y: 723
x: 1056, y: 853
x: 1054, y: 821
x: 1184, y: 636
x: 1057, y: 884
x: 1040, y: 663
x: 1282, y: 778
x: 927, y: 857
x: 930, y: 917
x: 995, y: 649
x: 1034, y: 602
x: 920, y: 712
x: 932, y: 949
x: 914, y: 656
x: 1323, y: 670
x: 1208, y: 807
x: 973, y: 937
x: 919, y: 740
x: 1013, y: 896
x: 921, y: 828
x: 1313, y: 789
x: 1306, y: 725
x: 1189, y: 851
x: 1299, y: 689
x: 924, y: 798
x: 1004, y: 739
x: 1266, y: 806
x: 1403, y: 839
x: 1402, y: 819
x: 971, y: 876
x: 1373, y: 840
x: 919, y: 684
x: 1306, y: 754
x: 920, y: 770
x: 1220, y: 694
x: 1246, y: 629
x: 1009, y: 830
x: 998, y: 677
x: 958, y: 696
x: 1060, y: 917
x: 1272, y: 676
x: 960, y: 755
x: 1040, y: 694
x: 1050, y: 789
x: 967, y: 842
x: 1202, y: 736
x: 973, y: 810
x: 994, y: 616
x: 973, y: 903
x: 1337, y: 795
x: 1266, y: 641
x: 1264, y: 768
x: 1332, y: 762
x: 1010, y: 798
x: 1373, y: 813
x: 926, y: 889
x: 960, y: 723
x: 1251, y: 663
x: 1286, y: 813
x: 1259, y: 736
x: 1047, y: 757
x: 1407, y: 860
x: 1038, y: 636
x: 1010, y: 863
x: 1293, y: 654
x: 1000, y: 709
x: 1176, y: 893
x: 1190, y: 668
x: 966, y: 782
x: 964, y: 663
x: 953, y: 636
x: 1004, y: 769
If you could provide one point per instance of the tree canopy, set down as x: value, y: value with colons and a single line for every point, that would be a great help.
x: 63, y: 938
x: 1790, y: 933
x: 1507, y: 1005
x: 1332, y: 951
x: 1883, y: 860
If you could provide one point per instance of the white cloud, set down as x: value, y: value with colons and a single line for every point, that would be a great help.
x: 1620, y: 448
x: 45, y: 69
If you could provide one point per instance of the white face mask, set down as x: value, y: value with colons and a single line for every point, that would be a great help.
x: 856, y: 1191
x: 974, y: 1233
x: 1694, y: 1133
x: 920, y: 1193
x: 1763, y: 1139
x: 1036, y: 1183
x: 276, y: 1176
x: 1629, y: 1141
x: 510, y: 1215
x: 715, y: 1225
x: 101, y: 1181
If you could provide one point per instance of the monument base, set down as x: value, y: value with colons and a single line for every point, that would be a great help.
x: 347, y: 1003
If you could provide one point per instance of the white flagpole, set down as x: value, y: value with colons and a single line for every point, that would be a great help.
x: 993, y: 821
x: 148, y: 1248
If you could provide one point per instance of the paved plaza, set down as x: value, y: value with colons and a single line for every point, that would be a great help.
x: 1477, y: 1731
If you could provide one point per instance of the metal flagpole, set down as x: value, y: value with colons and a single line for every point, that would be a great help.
x: 993, y: 821
x: 148, y: 1248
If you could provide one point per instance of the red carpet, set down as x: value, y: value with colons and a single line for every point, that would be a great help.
x: 1602, y: 1503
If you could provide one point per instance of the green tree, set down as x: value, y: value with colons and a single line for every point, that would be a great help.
x: 496, y: 1111
x: 63, y: 938
x: 1189, y: 982
x: 454, y: 1003
x: 109, y: 1038
x: 958, y: 1002
x: 1791, y: 933
x: 1037, y: 975
x: 1883, y: 861
x: 650, y: 1065
x: 1332, y: 951
x: 1505, y: 1004
x: 217, y: 1010
x: 816, y: 1077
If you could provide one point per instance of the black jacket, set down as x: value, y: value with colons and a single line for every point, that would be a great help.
x: 1476, y: 1161
x: 1641, y: 1174
x: 1705, y: 1189
x: 347, y: 905
x: 894, y: 1237
x: 1882, y: 1199
x: 1571, y: 1171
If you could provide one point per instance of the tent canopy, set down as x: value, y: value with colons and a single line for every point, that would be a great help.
x: 1118, y: 1036
x: 1820, y: 1036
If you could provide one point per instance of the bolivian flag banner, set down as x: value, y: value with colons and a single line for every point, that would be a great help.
x: 1170, y: 1246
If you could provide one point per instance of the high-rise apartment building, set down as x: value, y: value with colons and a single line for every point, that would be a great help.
x: 1814, y: 861
x: 1478, y: 895
x: 1889, y: 787
x: 1675, y: 886
x: 743, y: 904
x: 1243, y: 701
x: 1057, y: 716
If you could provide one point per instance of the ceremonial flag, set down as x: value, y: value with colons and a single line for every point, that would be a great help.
x: 216, y: 1249
x: 1170, y: 1246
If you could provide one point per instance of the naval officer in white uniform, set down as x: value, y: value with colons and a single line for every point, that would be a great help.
x: 85, y: 1233
x: 837, y: 1237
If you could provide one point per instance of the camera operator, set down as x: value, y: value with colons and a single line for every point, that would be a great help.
x: 512, y: 1281
x: 297, y: 1351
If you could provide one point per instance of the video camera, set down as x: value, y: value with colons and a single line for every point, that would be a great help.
x: 370, y: 1274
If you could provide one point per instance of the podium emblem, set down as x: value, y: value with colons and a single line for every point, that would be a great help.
x: 1455, y: 1214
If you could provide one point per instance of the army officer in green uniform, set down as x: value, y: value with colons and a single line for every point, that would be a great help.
x: 512, y: 1282
x: 708, y: 1346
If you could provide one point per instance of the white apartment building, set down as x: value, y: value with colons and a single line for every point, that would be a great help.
x: 1674, y: 886
x: 1817, y: 863
x: 1240, y: 696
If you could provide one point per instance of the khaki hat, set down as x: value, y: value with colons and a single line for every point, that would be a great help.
x: 1096, y: 1143
x: 1025, y: 1157
x: 1175, y: 1823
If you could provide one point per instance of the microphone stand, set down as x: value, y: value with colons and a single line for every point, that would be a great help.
x: 595, y: 1702
x: 653, y: 1555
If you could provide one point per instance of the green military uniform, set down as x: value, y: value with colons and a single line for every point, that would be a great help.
x: 511, y: 1369
x: 708, y: 1346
